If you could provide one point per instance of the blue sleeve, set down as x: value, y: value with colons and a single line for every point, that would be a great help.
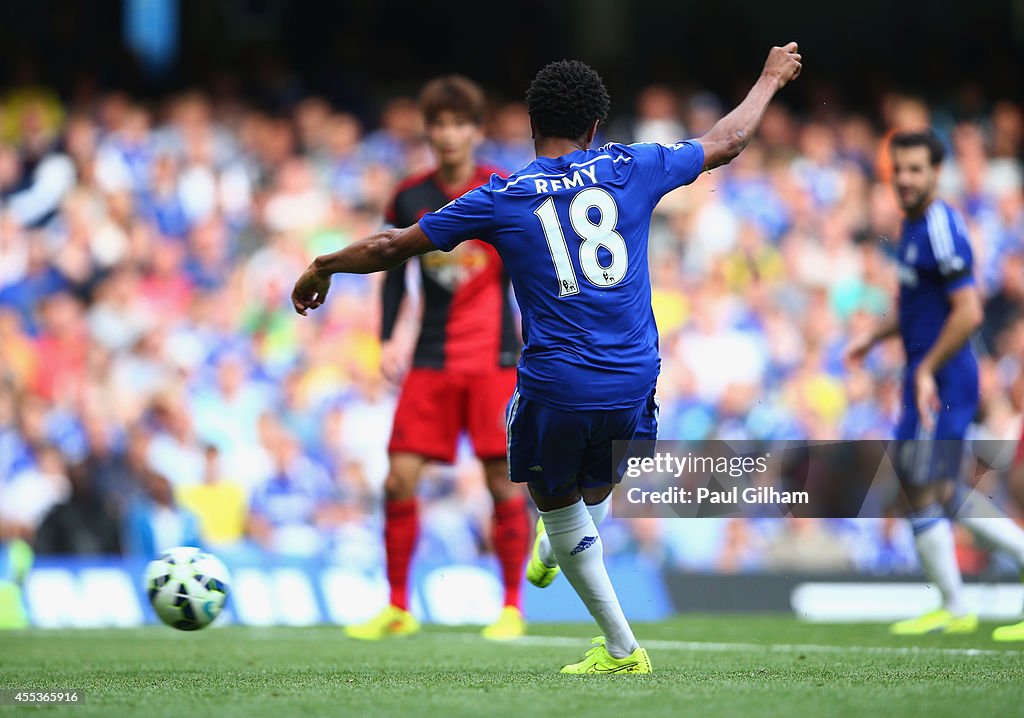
x: 951, y: 247
x: 668, y: 167
x: 471, y: 216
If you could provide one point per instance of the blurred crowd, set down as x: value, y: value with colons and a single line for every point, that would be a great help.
x: 156, y: 388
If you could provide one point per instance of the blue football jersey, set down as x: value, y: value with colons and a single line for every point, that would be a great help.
x: 572, y: 232
x: 934, y: 260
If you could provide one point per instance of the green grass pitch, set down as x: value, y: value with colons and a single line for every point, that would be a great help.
x: 704, y: 666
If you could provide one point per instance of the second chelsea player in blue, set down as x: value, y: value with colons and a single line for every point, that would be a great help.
x: 939, y: 310
x: 572, y: 231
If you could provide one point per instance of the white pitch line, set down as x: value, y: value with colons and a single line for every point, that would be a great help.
x: 290, y: 633
x: 718, y: 647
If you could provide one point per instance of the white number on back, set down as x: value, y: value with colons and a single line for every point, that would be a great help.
x: 594, y: 235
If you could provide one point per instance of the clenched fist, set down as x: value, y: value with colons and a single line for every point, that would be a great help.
x: 783, y: 64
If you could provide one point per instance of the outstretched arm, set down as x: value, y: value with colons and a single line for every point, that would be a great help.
x: 384, y: 250
x: 732, y: 133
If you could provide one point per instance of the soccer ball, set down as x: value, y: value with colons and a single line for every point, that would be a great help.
x: 187, y: 587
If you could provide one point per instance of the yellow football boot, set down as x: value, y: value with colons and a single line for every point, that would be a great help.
x: 1014, y: 632
x: 510, y: 624
x: 937, y: 621
x: 599, y: 660
x: 392, y: 622
x: 537, y: 572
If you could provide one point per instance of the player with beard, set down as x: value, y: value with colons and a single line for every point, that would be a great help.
x: 939, y: 308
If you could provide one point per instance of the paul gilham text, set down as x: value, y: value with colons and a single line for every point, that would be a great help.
x: 761, y: 495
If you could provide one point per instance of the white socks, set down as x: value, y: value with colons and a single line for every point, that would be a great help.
x: 933, y: 536
x: 976, y: 512
x: 576, y: 546
x: 598, y: 512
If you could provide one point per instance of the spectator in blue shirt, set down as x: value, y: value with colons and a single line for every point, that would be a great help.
x: 287, y: 514
x: 156, y: 523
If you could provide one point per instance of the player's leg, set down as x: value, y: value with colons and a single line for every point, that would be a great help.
x: 510, y: 530
x: 524, y: 444
x: 971, y: 509
x: 546, y: 449
x: 986, y: 521
x: 993, y: 529
x: 595, y: 482
x: 574, y: 537
x: 425, y: 427
x: 936, y: 550
x: 401, y: 522
x: 576, y: 544
x: 1016, y: 486
x: 487, y: 399
x: 401, y: 530
x: 958, y: 390
x: 933, y: 533
x: 511, y: 525
x: 1016, y: 479
x: 543, y: 567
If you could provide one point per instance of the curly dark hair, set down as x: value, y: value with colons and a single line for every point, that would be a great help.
x: 565, y: 98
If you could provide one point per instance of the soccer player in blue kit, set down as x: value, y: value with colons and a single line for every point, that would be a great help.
x: 939, y: 310
x: 572, y: 230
